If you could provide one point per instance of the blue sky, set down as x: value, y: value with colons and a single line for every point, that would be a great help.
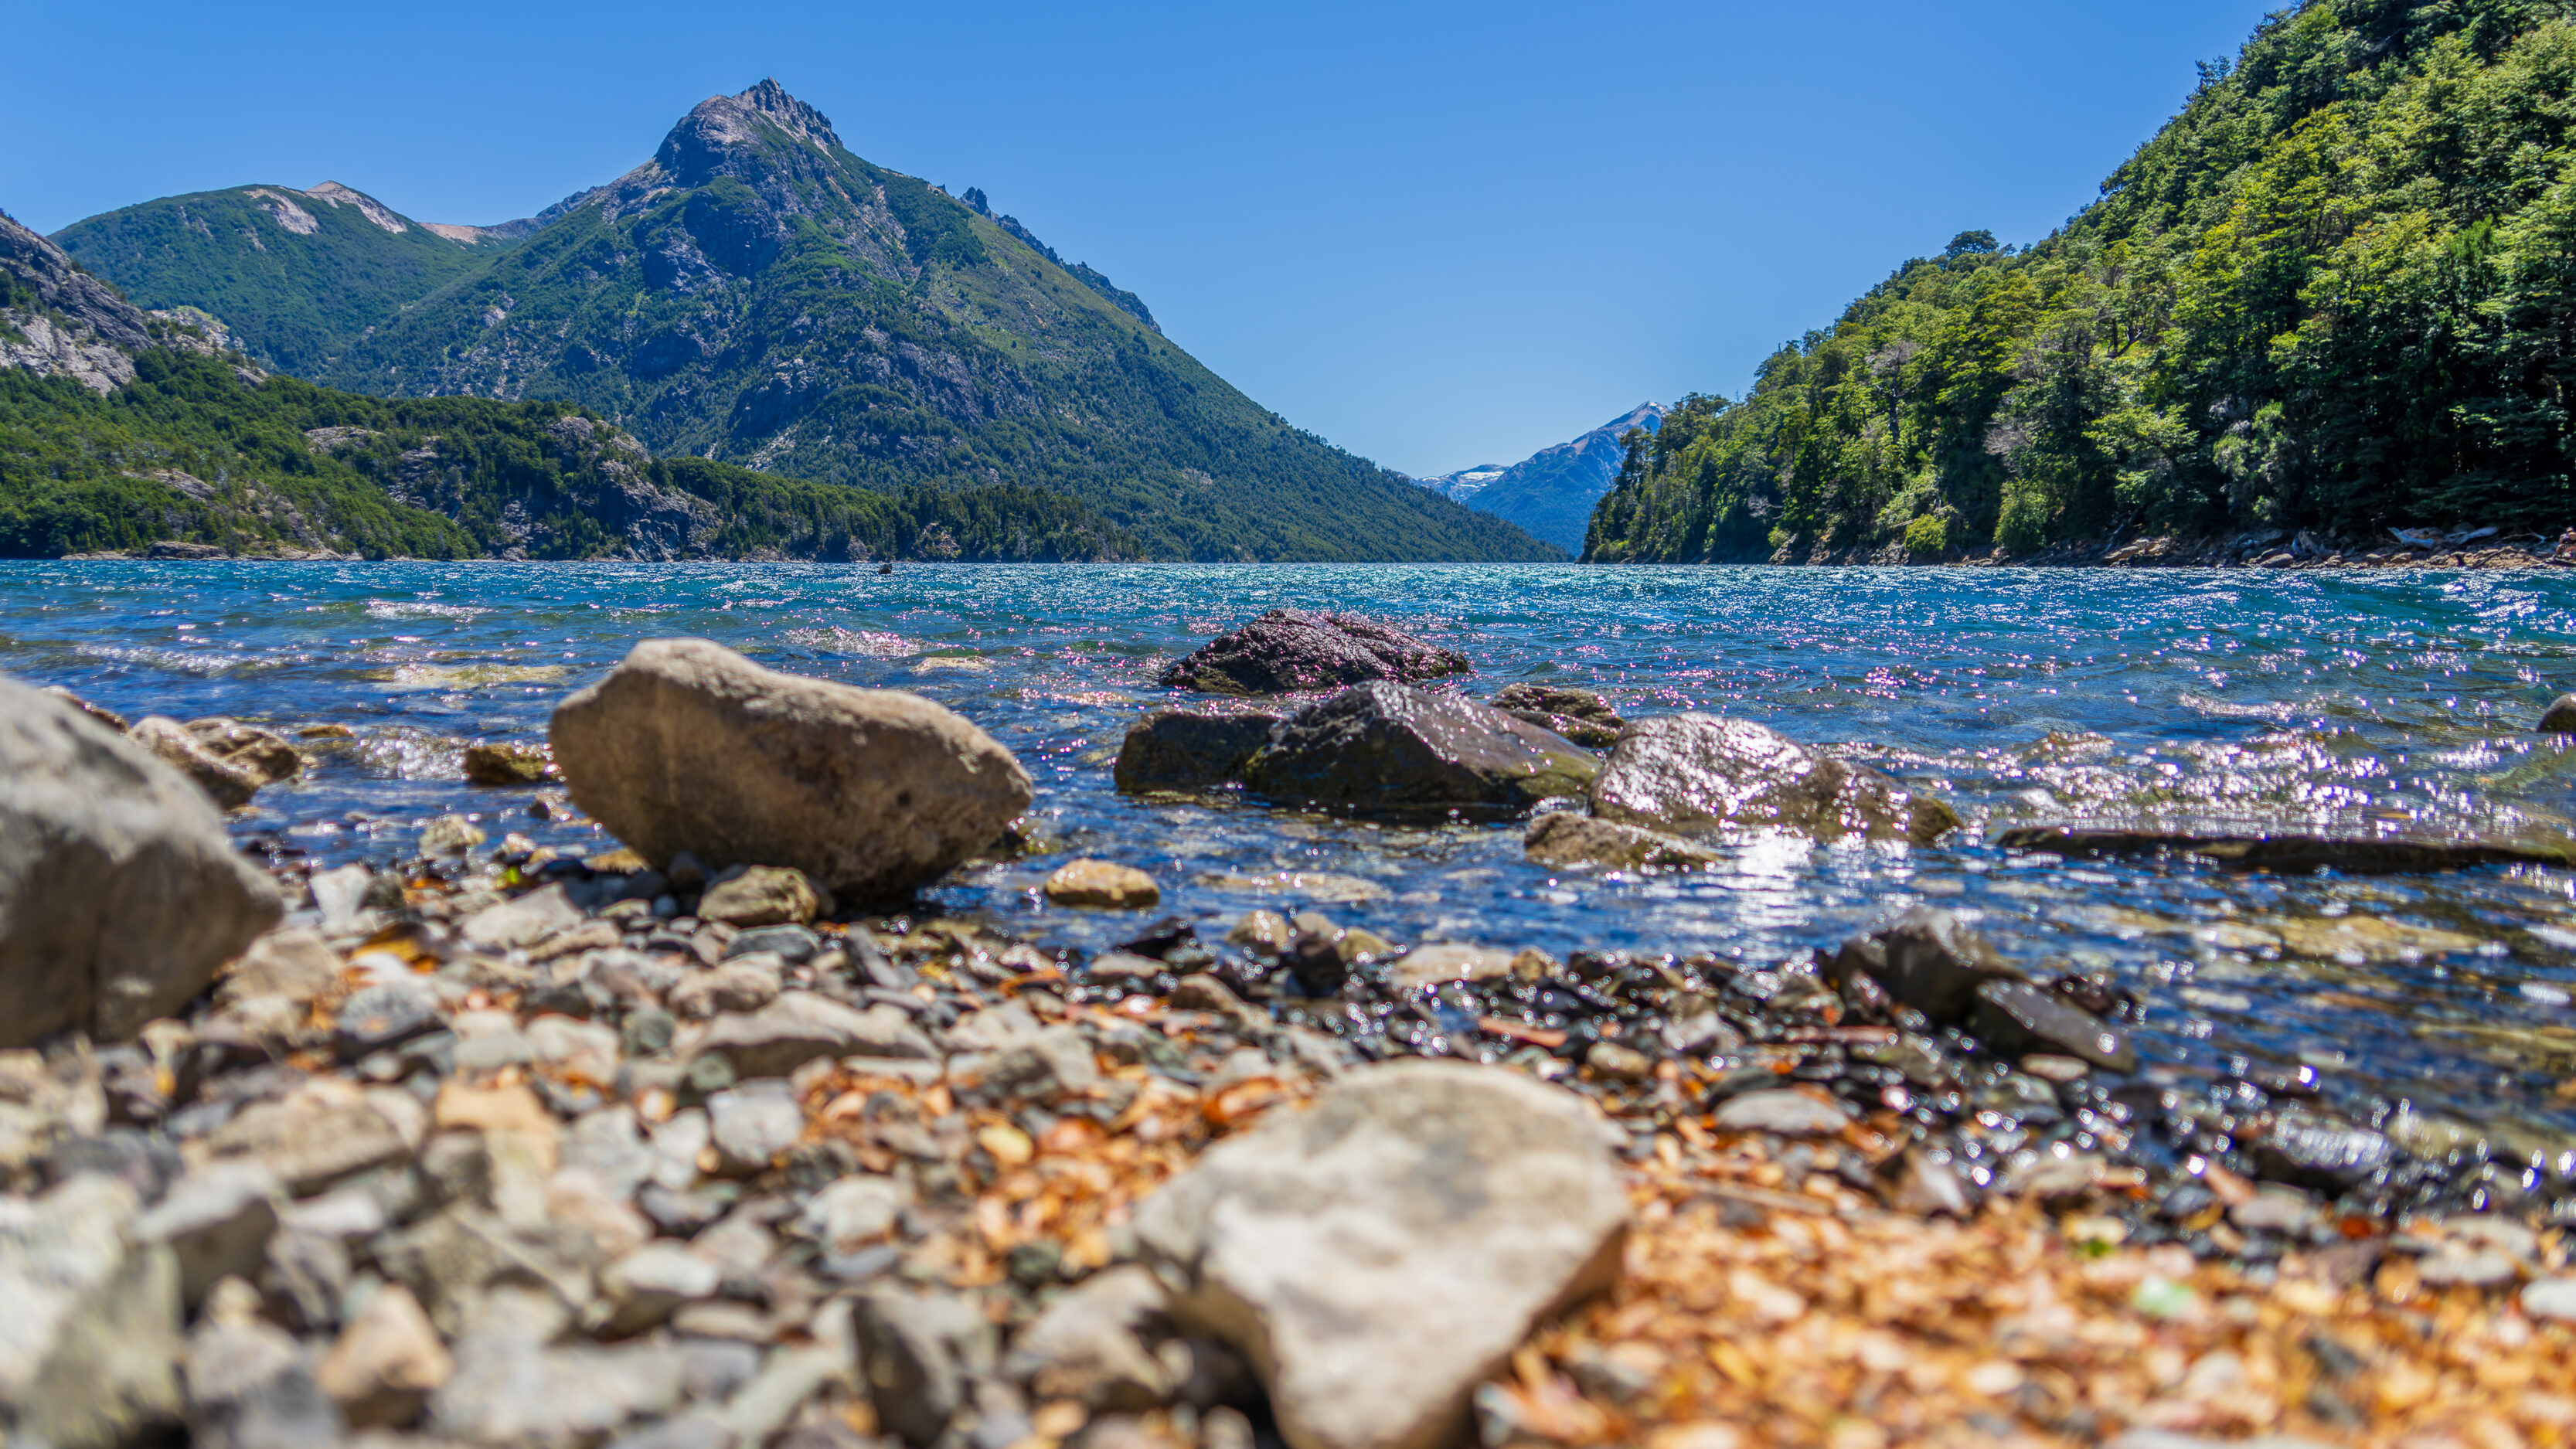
x: 1437, y: 234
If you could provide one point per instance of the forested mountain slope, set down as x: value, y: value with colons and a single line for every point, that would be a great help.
x: 296, y: 275
x: 2337, y: 290
x: 756, y: 294
x: 124, y: 431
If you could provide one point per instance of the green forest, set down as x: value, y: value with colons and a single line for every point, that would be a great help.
x: 2338, y: 291
x: 191, y: 451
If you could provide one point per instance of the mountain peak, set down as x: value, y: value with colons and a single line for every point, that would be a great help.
x: 719, y: 128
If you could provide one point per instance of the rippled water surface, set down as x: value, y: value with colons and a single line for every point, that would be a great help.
x: 2340, y: 698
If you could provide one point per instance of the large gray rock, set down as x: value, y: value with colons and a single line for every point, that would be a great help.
x: 1698, y: 774
x: 1179, y: 749
x: 1379, y: 1255
x: 89, y: 1341
x: 1288, y: 649
x: 119, y: 895
x: 689, y: 746
x: 1385, y: 748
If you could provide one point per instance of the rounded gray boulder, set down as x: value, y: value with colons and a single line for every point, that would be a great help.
x: 119, y: 894
x: 688, y: 746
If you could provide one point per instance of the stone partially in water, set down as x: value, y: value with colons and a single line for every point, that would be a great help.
x: 1578, y: 714
x: 1384, y: 748
x: 1287, y: 649
x: 265, y: 757
x: 2355, y: 852
x: 2559, y: 718
x: 1175, y: 749
x: 500, y: 762
x: 1564, y: 838
x: 1698, y: 774
x: 1447, y: 961
x: 1101, y: 885
x: 119, y: 894
x: 1928, y: 960
x: 1380, y: 1254
x: 2015, y: 1016
x: 2309, y: 1149
x: 689, y: 746
x: 227, y: 784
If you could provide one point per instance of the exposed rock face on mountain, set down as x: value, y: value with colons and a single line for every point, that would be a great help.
x: 1098, y: 281
x: 1550, y: 493
x: 756, y: 294
x: 296, y: 275
x: 58, y: 322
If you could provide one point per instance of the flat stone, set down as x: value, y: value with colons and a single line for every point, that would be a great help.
x: 1698, y: 775
x: 2289, y: 849
x: 1053, y: 1062
x: 1565, y: 838
x: 1349, y: 1251
x: 508, y: 1390
x: 744, y: 984
x: 786, y: 1034
x: 688, y: 746
x: 2553, y: 1299
x: 762, y: 896
x: 1780, y: 1110
x: 1089, y: 1345
x: 2481, y: 1269
x: 855, y: 1212
x: 2308, y: 1149
x: 1102, y: 885
x: 217, y: 1220
x: 311, y: 1139
x: 450, y: 835
x: 2274, y: 1210
x: 387, y: 1362
x: 522, y: 922
x: 120, y: 895
x: 1441, y: 961
x: 293, y: 963
x: 1287, y: 650
x: 1578, y: 714
x: 1173, y: 749
x: 752, y: 1127
x: 1386, y: 749
x: 646, y: 1286
x: 1929, y: 960
x: 2015, y: 1017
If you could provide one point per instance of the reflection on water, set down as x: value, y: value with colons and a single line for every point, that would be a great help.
x: 2319, y: 698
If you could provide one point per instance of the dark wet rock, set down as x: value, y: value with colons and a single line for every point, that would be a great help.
x: 1349, y: 1251
x: 503, y: 763
x: 2309, y: 1149
x: 1384, y: 748
x: 2292, y: 851
x: 688, y: 746
x: 1928, y: 960
x: 2559, y: 718
x: 2015, y: 1017
x: 1286, y: 650
x: 920, y: 1354
x: 794, y: 945
x: 1176, y: 749
x: 119, y: 894
x: 1578, y: 714
x: 1698, y: 774
x: 1564, y: 838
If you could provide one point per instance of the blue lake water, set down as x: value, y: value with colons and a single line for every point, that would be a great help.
x: 2319, y: 697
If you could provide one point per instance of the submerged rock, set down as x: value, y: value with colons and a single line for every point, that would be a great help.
x: 1176, y: 749
x: 1102, y: 885
x: 1287, y: 649
x: 1578, y: 714
x: 1383, y: 747
x: 1379, y: 1255
x: 2258, y: 848
x: 1568, y: 839
x: 119, y: 894
x: 688, y: 746
x: 1698, y: 774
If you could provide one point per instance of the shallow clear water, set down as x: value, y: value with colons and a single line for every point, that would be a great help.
x: 2017, y: 694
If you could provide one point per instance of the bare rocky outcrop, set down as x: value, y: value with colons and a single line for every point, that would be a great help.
x: 1698, y: 774
x: 1287, y: 650
x: 119, y: 895
x: 59, y: 321
x: 688, y: 746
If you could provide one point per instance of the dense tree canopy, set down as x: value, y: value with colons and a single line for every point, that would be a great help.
x: 2338, y: 290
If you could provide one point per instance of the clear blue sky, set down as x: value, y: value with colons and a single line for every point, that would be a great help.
x: 1435, y: 233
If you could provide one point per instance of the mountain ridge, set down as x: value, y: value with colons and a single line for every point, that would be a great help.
x: 1550, y: 494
